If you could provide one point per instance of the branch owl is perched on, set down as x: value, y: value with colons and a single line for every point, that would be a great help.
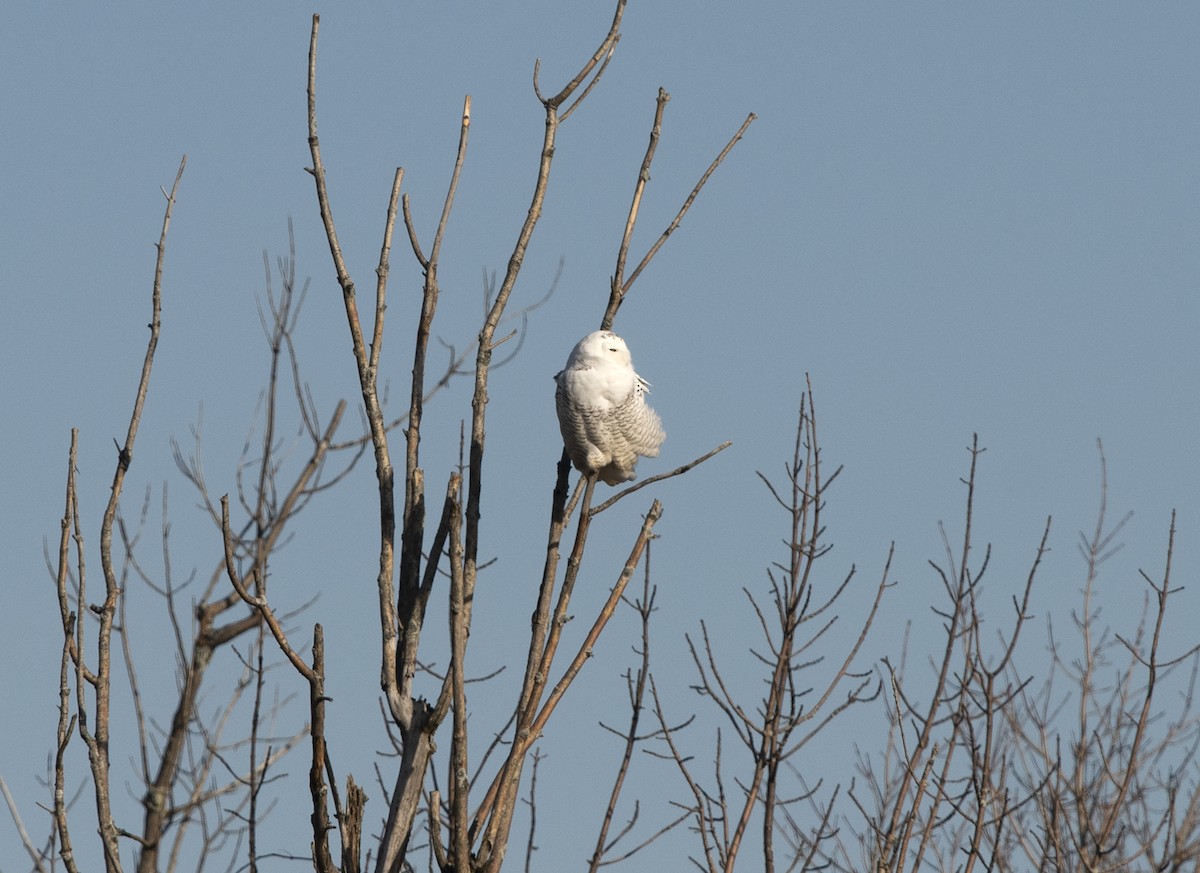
x: 602, y: 409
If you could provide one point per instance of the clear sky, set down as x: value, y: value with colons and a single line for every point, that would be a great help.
x: 956, y: 218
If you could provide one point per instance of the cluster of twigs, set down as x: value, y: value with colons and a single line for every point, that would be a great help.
x: 796, y: 622
x: 987, y: 769
x: 982, y: 768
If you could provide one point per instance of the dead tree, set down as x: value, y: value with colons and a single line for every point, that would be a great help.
x: 940, y: 795
x: 803, y: 696
x: 468, y: 831
x: 990, y: 766
x: 1106, y: 743
x: 476, y: 839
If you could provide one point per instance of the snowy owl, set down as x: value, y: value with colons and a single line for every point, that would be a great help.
x: 602, y: 409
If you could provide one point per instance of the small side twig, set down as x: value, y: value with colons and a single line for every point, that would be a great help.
x: 678, y: 471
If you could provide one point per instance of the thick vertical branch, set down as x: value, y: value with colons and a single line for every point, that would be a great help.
x: 96, y: 736
x: 367, y: 365
x: 414, y: 760
x: 351, y: 825
x: 483, y: 357
x: 412, y: 594
x: 157, y: 799
x: 459, y: 780
x: 493, y: 842
x: 540, y: 620
x: 500, y: 802
x: 501, y: 795
x: 66, y: 720
x: 401, y: 615
x: 558, y: 622
x: 593, y: 635
x: 322, y: 860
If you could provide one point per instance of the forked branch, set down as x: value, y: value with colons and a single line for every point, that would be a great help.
x: 620, y: 285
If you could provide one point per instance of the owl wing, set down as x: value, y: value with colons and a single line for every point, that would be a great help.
x: 639, y: 423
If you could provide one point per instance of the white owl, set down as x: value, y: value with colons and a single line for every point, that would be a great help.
x: 602, y: 409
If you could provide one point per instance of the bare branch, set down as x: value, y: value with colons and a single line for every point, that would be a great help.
x: 620, y: 285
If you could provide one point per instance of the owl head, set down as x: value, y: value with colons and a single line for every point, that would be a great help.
x: 601, y: 348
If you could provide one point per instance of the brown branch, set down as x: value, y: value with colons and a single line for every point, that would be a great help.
x: 255, y: 781
x: 258, y: 602
x: 97, y: 737
x: 606, y: 612
x: 500, y: 797
x: 637, y: 694
x: 957, y: 587
x: 499, y: 800
x: 639, y: 188
x: 704, y: 821
x: 540, y: 621
x: 413, y: 592
x: 351, y: 825
x: 678, y: 471
x: 382, y: 272
x: 603, y: 53
x: 459, y: 626
x: 620, y: 285
x: 399, y: 704
x: 1134, y: 762
x: 71, y: 653
x: 530, y: 845
x: 128, y: 546
x: 784, y: 720
x: 479, y: 398
x: 491, y: 850
x: 322, y: 860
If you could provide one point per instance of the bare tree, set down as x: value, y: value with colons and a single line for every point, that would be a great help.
x: 465, y: 832
x: 986, y: 768
x: 940, y: 795
x: 796, y: 628
x: 187, y: 780
x: 1108, y: 759
x: 477, y: 839
x: 985, y: 763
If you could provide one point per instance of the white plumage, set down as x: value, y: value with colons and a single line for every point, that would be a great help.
x: 602, y: 410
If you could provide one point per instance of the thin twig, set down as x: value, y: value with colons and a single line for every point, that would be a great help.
x: 678, y: 471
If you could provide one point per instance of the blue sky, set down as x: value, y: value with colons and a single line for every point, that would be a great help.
x: 956, y: 218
